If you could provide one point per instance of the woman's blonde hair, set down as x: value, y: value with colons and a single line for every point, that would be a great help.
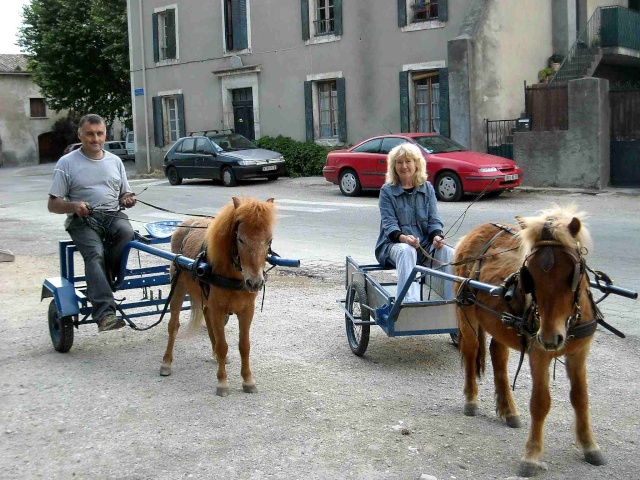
x: 406, y: 150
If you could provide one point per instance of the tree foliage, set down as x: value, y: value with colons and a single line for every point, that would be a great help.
x: 79, y: 54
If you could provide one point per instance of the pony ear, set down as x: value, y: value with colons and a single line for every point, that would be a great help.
x: 236, y: 202
x: 521, y: 222
x: 574, y: 226
x: 270, y: 200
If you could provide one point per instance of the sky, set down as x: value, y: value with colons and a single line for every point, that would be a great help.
x: 10, y: 21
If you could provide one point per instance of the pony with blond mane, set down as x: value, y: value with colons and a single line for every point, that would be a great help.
x: 235, y: 244
x: 550, y: 314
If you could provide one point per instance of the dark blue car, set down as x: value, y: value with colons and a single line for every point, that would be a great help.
x: 228, y: 157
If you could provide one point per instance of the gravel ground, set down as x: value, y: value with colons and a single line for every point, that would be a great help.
x: 103, y: 411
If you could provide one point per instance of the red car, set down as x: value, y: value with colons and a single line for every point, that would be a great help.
x: 453, y: 170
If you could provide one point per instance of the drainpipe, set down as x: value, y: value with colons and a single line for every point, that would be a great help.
x: 144, y: 87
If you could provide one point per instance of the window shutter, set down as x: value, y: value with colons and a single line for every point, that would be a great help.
x: 239, y: 21
x: 170, y: 32
x: 342, y: 109
x: 404, y: 102
x: 402, y: 13
x: 308, y: 110
x: 304, y: 11
x: 445, y: 128
x: 181, y: 120
x: 156, y: 49
x: 337, y: 17
x: 443, y: 14
x: 158, y: 131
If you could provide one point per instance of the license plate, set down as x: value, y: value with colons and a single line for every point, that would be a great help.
x: 510, y: 178
x: 275, y: 167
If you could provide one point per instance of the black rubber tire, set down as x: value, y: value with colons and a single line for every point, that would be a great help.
x: 455, y: 339
x: 273, y: 177
x: 228, y: 177
x: 60, y: 329
x: 357, y: 335
x: 350, y: 183
x: 173, y: 176
x: 448, y: 187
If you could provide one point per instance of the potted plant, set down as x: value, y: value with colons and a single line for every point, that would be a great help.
x: 545, y: 74
x: 555, y: 61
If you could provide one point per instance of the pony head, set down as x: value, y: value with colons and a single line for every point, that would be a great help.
x: 552, y: 248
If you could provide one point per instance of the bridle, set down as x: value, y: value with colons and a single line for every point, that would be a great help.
x: 235, y: 254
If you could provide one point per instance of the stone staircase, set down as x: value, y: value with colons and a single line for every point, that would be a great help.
x: 581, y: 64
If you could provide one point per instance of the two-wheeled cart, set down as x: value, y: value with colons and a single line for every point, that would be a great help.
x: 69, y: 307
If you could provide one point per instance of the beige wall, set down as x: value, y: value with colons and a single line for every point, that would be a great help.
x: 18, y: 132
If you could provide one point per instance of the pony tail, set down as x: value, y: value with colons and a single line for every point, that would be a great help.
x: 197, y: 319
x: 482, y: 352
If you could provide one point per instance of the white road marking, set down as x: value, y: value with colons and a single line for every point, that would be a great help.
x: 144, y: 182
x: 305, y: 209
x: 327, y: 204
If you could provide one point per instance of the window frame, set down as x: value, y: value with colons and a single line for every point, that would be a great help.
x: 160, y: 43
x: 313, y: 118
x: 312, y: 36
x: 406, y: 15
x: 226, y: 19
x: 37, y: 107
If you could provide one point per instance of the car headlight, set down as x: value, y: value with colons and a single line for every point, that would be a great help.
x: 247, y: 162
x: 487, y: 169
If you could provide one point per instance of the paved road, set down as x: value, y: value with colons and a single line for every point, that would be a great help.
x: 320, y: 226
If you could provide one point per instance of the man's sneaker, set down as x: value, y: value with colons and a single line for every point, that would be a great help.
x: 110, y: 322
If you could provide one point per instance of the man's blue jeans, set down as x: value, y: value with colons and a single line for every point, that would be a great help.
x: 100, y: 240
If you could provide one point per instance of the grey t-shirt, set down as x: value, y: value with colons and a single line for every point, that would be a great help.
x: 100, y: 183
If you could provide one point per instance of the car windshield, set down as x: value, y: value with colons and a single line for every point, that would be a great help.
x: 438, y: 144
x: 231, y: 142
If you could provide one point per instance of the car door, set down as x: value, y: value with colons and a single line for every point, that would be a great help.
x: 206, y: 162
x: 184, y: 158
x: 364, y: 160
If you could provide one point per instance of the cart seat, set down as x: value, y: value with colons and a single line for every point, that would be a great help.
x: 162, y: 229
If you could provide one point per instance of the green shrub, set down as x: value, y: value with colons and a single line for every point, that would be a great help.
x: 304, y: 159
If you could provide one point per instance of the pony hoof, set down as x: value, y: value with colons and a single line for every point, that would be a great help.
x: 165, y: 370
x: 249, y: 389
x: 514, y: 421
x: 222, y: 391
x: 470, y: 409
x: 595, y: 457
x: 530, y: 469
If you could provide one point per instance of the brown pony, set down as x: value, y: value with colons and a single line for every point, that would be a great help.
x: 551, y: 315
x: 237, y: 242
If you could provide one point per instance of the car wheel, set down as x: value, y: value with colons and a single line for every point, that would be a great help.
x: 228, y: 177
x: 448, y: 187
x: 350, y: 184
x: 173, y: 176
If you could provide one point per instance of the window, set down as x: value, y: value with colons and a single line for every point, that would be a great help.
x: 37, y: 107
x: 389, y: 143
x: 187, y: 145
x: 203, y: 145
x: 165, y: 34
x: 421, y: 14
x: 424, y: 99
x: 168, y: 118
x: 236, y: 32
x: 427, y: 110
x: 325, y: 109
x: 321, y: 20
x: 372, y: 146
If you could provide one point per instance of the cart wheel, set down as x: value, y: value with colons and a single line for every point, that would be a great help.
x: 455, y: 339
x: 60, y: 329
x: 358, y: 335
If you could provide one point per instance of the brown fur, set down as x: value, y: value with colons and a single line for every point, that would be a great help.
x: 555, y: 302
x: 254, y: 221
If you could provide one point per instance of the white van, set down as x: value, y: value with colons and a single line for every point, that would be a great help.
x: 130, y: 146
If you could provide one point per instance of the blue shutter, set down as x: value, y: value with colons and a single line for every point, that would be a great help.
x: 239, y: 22
x: 342, y: 109
x: 402, y: 13
x: 337, y: 17
x: 443, y: 14
x: 445, y: 128
x: 170, y: 33
x: 404, y: 102
x: 158, y: 131
x: 304, y: 11
x: 308, y: 110
x: 156, y: 47
x: 181, y: 120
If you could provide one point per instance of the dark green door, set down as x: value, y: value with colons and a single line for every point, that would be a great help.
x: 243, y: 112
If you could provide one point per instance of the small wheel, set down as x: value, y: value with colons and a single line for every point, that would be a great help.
x: 350, y: 184
x: 228, y: 177
x: 455, y: 339
x: 173, y: 176
x: 358, y: 335
x: 60, y: 329
x: 448, y: 187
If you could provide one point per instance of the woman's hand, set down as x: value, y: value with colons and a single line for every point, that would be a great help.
x: 411, y: 240
x: 438, y: 242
